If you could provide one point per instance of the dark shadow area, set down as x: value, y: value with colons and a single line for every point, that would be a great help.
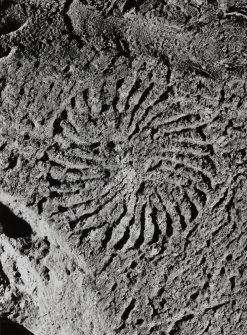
x: 4, y: 4
x: 11, y: 225
x: 10, y: 328
x: 9, y: 26
x: 4, y: 52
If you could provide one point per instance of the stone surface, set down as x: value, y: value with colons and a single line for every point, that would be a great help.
x: 123, y: 134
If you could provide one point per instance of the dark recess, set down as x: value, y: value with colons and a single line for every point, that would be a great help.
x: 11, y: 225
x: 10, y: 328
x: 5, y: 4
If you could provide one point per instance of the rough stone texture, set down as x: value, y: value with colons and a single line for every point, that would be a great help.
x: 123, y: 136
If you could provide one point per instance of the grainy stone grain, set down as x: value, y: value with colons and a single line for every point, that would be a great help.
x: 123, y: 135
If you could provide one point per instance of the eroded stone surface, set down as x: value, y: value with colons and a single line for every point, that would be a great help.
x: 123, y: 166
